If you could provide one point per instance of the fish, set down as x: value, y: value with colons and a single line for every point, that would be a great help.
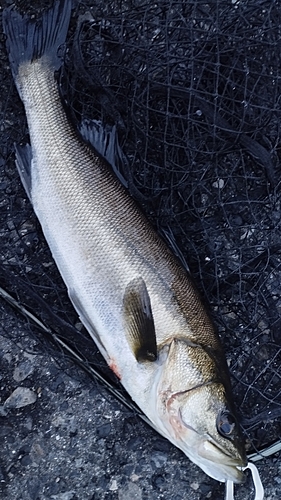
x: 130, y: 291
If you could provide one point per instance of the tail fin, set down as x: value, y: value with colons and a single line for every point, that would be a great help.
x: 31, y: 39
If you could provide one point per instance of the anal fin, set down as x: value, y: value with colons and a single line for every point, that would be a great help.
x: 90, y: 327
x: 24, y: 164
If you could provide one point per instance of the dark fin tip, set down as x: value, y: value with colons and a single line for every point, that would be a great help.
x: 144, y: 354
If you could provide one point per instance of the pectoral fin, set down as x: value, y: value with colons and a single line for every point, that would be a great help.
x: 138, y: 319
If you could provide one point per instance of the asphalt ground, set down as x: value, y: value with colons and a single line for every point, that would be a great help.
x: 72, y: 439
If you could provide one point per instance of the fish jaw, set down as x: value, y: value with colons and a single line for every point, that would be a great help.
x: 227, y: 469
x: 187, y: 412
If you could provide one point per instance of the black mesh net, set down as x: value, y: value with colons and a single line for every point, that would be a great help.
x: 193, y: 89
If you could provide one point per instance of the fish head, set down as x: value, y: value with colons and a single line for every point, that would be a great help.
x: 209, y: 432
x: 197, y: 414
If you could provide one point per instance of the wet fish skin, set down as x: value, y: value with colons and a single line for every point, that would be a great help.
x: 130, y: 292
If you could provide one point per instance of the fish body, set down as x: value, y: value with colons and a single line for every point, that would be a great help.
x: 131, y: 293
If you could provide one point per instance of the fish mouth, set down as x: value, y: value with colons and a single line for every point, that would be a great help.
x: 217, y: 463
x: 224, y: 472
x: 209, y: 455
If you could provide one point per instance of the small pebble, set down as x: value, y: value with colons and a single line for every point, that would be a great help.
x: 130, y: 492
x: 103, y: 430
x: 194, y: 486
x: 22, y: 396
x: 22, y: 371
x: 113, y: 485
x: 67, y: 495
x: 158, y: 458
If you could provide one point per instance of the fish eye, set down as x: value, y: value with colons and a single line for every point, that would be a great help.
x: 226, y: 424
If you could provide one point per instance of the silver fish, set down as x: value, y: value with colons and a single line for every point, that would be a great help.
x: 130, y: 291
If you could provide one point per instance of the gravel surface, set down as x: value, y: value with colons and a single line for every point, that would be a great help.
x: 75, y: 441
x: 63, y: 435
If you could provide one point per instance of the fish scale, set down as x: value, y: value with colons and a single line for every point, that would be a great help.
x: 84, y: 197
x: 131, y: 293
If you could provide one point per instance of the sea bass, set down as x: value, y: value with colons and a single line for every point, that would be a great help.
x: 131, y: 293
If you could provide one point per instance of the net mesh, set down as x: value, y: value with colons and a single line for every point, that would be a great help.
x: 193, y: 89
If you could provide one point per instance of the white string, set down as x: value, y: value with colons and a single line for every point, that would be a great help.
x: 229, y: 490
x: 266, y: 452
x: 259, y: 490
